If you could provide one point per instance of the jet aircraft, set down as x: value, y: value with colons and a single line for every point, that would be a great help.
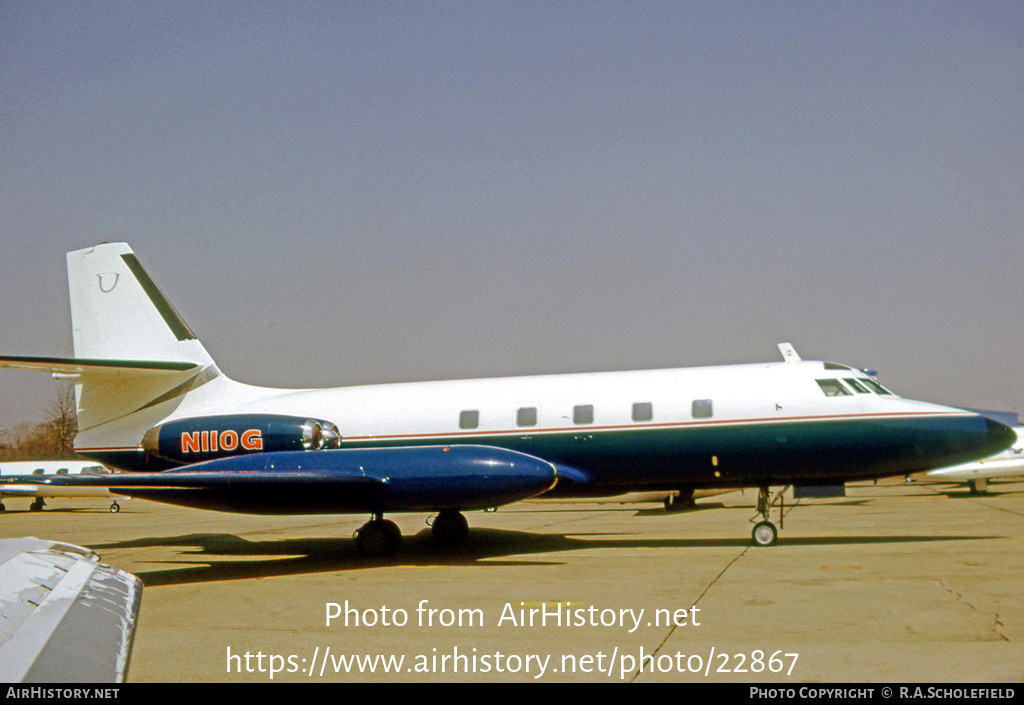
x: 150, y: 398
x: 1005, y: 463
x: 31, y: 479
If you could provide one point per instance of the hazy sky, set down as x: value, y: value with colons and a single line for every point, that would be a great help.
x: 352, y: 192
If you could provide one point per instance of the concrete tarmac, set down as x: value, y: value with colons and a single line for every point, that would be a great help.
x: 893, y: 583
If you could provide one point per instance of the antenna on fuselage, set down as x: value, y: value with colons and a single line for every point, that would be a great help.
x: 788, y: 353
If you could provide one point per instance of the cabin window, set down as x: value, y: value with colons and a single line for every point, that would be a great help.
x: 39, y: 471
x: 62, y: 471
x: 643, y: 411
x: 469, y: 419
x: 857, y: 386
x: 583, y: 414
x: 833, y: 388
x: 526, y: 416
x: 879, y: 389
x: 702, y: 409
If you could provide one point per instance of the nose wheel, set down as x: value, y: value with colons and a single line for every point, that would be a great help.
x: 765, y: 533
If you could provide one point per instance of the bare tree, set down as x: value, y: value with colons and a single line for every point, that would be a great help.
x: 62, y: 421
x: 52, y: 438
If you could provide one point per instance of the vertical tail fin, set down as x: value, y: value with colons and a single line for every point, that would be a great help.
x: 135, y: 359
x: 118, y: 312
x: 137, y: 356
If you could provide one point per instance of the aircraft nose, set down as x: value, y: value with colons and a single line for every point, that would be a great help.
x: 999, y: 436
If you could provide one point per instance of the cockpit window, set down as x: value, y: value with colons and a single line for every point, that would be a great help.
x: 879, y: 389
x: 857, y: 386
x: 836, y: 366
x: 833, y: 388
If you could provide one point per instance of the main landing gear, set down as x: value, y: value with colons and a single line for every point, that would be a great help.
x: 680, y: 500
x: 381, y: 537
x: 765, y: 533
x: 449, y: 528
x: 378, y: 537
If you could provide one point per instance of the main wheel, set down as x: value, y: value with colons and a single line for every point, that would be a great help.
x: 379, y: 537
x: 450, y: 528
x: 765, y: 534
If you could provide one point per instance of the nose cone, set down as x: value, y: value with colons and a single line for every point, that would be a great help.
x: 999, y: 437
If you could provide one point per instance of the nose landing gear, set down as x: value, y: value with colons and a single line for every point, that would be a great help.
x: 765, y: 533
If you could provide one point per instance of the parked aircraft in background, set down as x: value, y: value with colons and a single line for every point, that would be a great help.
x: 1005, y: 463
x: 31, y: 479
x: 64, y: 616
x: 150, y: 398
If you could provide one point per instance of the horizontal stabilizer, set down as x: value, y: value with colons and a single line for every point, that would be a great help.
x: 109, y: 389
x: 71, y: 367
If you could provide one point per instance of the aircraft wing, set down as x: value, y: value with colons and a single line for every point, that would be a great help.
x: 73, y: 366
x: 417, y: 478
x: 16, y: 486
x: 64, y: 616
x: 14, y: 489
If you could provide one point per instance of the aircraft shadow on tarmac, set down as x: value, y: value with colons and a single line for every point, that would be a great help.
x: 217, y: 557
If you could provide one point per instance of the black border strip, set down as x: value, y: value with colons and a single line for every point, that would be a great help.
x: 171, y: 317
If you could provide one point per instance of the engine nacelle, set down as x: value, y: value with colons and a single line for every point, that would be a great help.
x: 208, y: 437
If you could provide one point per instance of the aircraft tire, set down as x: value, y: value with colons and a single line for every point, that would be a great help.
x: 765, y: 534
x: 450, y: 528
x: 379, y: 537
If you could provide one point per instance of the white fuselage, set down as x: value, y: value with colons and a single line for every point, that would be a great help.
x: 699, y: 426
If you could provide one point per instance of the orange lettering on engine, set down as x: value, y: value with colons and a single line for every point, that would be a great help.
x: 228, y: 440
x: 252, y: 439
x: 190, y: 442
